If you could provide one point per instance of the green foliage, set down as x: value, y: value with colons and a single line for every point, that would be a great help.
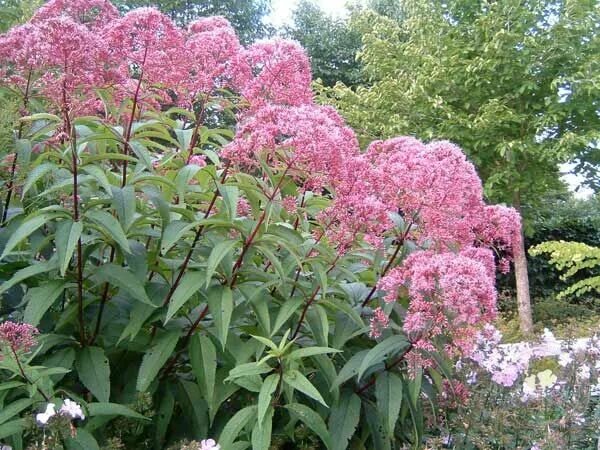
x: 330, y: 42
x: 511, y: 82
x: 572, y: 257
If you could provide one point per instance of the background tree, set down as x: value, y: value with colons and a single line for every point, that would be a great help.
x: 245, y: 15
x: 13, y: 12
x: 512, y: 82
x: 331, y: 43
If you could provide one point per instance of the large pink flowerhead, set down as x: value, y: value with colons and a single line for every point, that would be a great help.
x: 432, y: 185
x: 449, y: 294
x: 66, y: 58
x: 276, y: 72
x: 311, y: 141
x: 147, y: 44
x: 20, y: 337
x: 211, y: 46
x: 357, y: 210
x: 92, y: 13
x: 500, y: 228
x: 20, y: 55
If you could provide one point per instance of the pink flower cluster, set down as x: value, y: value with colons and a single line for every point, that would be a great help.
x: 20, y: 337
x: 451, y: 296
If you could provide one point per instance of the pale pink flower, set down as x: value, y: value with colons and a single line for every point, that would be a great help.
x: 20, y: 337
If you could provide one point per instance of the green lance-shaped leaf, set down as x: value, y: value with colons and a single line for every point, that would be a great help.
x: 155, y: 358
x: 37, y: 173
x: 112, y: 409
x: 203, y: 356
x: 265, y: 395
x: 28, y: 272
x: 110, y: 227
x: 262, y: 431
x: 191, y: 283
x: 13, y: 427
x: 345, y: 415
x: 174, y: 232
x: 216, y: 256
x: 299, y: 382
x: 388, y: 392
x: 40, y: 299
x: 124, y: 203
x: 230, y: 195
x: 67, y: 235
x: 10, y: 411
x: 94, y: 372
x: 165, y: 413
x: 311, y: 351
x: 82, y: 440
x: 350, y: 369
x: 381, y: 351
x: 25, y: 230
x: 235, y: 425
x: 220, y: 303
x: 312, y: 420
x: 248, y: 370
x: 124, y: 280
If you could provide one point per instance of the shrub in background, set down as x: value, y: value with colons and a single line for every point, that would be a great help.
x: 191, y: 249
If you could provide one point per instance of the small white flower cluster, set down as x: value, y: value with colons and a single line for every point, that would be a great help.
x: 209, y: 444
x: 69, y: 409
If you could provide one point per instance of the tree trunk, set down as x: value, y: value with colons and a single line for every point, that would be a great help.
x: 522, y: 279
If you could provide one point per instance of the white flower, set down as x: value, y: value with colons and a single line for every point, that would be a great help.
x: 43, y: 418
x: 472, y: 377
x: 584, y: 372
x: 565, y: 359
x: 72, y: 409
x: 209, y: 444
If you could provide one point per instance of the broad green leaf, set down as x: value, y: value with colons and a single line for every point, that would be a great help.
x: 138, y: 316
x: 235, y: 425
x: 312, y: 420
x: 381, y: 351
x: 67, y: 235
x: 345, y: 415
x: 216, y: 256
x: 248, y: 370
x: 261, y: 433
x: 98, y: 174
x: 299, y: 382
x: 191, y: 283
x: 110, y: 227
x: 82, y: 440
x: 203, y: 356
x: 10, y: 411
x: 13, y: 427
x: 174, y: 233
x: 230, y: 195
x: 319, y: 324
x: 220, y: 302
x: 37, y: 173
x: 183, y: 178
x: 311, y: 351
x: 155, y: 358
x: 112, y: 409
x: 196, y: 408
x: 40, y: 299
x: 94, y: 372
x: 377, y: 424
x: 288, y: 308
x: 264, y: 396
x: 28, y: 272
x: 164, y: 415
x: 350, y: 369
x: 388, y: 392
x: 124, y: 280
x: 25, y: 230
x: 124, y: 204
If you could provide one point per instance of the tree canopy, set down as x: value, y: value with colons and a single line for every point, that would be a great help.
x: 331, y: 43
